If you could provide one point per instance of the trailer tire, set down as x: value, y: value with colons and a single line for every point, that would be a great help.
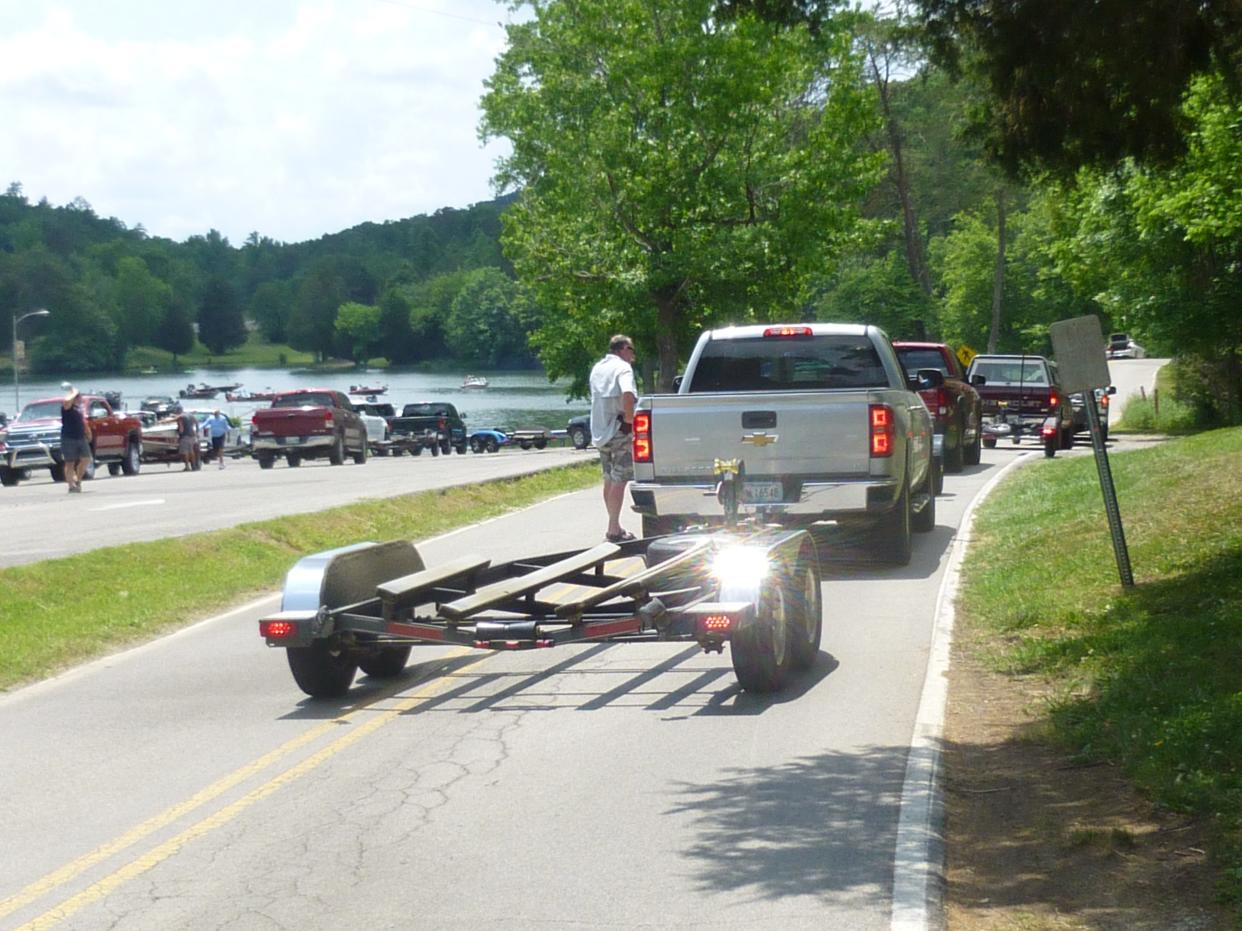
x: 435, y: 449
x: 294, y: 459
x: 320, y: 671
x: 266, y: 462
x: 492, y: 445
x: 385, y: 663
x: 808, y: 626
x: 10, y: 477
x: 762, y: 649
x: 541, y: 444
x: 114, y: 469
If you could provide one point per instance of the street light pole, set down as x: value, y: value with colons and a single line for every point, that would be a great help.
x: 17, y: 394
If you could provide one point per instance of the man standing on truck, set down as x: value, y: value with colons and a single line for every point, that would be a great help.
x: 612, y: 421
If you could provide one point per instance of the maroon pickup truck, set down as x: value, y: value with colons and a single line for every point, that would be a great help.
x: 32, y: 441
x: 1021, y: 395
x: 956, y: 410
x: 310, y: 423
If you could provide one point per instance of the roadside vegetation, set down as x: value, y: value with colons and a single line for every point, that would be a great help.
x: 1148, y: 679
x: 127, y: 594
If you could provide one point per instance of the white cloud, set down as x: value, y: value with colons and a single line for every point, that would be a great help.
x: 291, y: 118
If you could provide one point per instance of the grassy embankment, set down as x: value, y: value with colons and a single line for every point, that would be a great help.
x: 1150, y: 678
x: 126, y: 594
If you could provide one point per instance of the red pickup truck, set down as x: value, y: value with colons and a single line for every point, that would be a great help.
x: 956, y: 410
x: 1022, y: 395
x: 32, y: 441
x: 310, y: 423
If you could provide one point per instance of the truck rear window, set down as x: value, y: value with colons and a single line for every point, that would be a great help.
x: 1015, y: 372
x: 914, y: 359
x: 802, y: 364
x: 305, y: 400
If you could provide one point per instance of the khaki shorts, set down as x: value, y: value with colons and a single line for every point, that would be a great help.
x: 72, y: 449
x: 617, y: 459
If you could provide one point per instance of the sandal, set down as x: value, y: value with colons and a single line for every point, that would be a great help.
x: 623, y: 537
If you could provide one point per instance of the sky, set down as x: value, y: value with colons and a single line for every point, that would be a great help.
x: 290, y: 118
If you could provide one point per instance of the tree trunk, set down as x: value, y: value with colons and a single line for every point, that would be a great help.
x: 666, y: 339
x: 998, y: 277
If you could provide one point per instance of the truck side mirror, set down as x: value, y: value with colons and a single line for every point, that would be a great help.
x: 978, y: 381
x: 1112, y: 389
x: 929, y: 378
x: 677, y: 379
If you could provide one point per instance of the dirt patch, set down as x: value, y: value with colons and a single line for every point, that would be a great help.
x: 1038, y: 842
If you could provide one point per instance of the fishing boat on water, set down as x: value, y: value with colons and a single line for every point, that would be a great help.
x: 474, y: 381
x: 201, y: 390
x: 243, y: 396
x: 368, y: 389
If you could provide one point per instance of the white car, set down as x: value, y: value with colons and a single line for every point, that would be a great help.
x: 1120, y: 346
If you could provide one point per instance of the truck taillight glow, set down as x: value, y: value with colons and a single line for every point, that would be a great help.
x: 277, y: 630
x: 881, y: 416
x: 786, y: 332
x: 642, y: 436
x: 1053, y: 400
x: 327, y: 419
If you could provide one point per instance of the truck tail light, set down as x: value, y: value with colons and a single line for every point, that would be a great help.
x: 1104, y: 401
x: 881, y: 418
x: 642, y: 436
x: 786, y: 332
x: 1053, y: 400
x: 328, y: 421
x: 1049, y: 429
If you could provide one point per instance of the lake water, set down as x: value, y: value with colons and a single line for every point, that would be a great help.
x: 515, y: 400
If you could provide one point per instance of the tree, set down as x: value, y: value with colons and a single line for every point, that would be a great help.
x: 175, y: 332
x: 142, y: 301
x: 220, y: 323
x: 358, y: 325
x: 312, y: 321
x: 270, y: 308
x: 1072, y: 84
x: 487, y: 323
x: 675, y: 168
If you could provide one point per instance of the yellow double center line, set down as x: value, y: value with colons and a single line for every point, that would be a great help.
x: 158, y: 854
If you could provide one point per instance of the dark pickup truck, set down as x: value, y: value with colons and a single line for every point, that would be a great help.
x: 437, y: 417
x: 1021, y: 396
x: 311, y: 423
x: 957, y: 411
x: 33, y: 440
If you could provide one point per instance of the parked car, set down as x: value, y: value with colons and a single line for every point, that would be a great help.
x: 439, y: 416
x: 957, y: 411
x: 310, y: 423
x: 1120, y: 346
x: 580, y: 431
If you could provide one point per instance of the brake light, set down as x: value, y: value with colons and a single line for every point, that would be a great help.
x: 1053, y: 400
x: 1104, y: 400
x: 277, y: 630
x: 786, y: 332
x: 1048, y: 430
x: 881, y: 416
x: 327, y: 419
x: 642, y: 436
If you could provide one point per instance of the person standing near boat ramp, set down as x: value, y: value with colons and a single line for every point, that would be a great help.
x: 613, y: 396
x: 75, y: 438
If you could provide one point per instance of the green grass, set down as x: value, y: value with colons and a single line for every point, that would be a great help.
x: 1150, y: 678
x: 126, y: 594
x: 255, y: 353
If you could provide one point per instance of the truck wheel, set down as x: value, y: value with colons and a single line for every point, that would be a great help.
x: 360, y: 457
x: 953, y: 458
x: 973, y: 452
x: 924, y: 521
x: 525, y: 444
x: 336, y: 455
x: 320, y: 670
x: 1067, y: 438
x: 492, y: 445
x: 435, y: 449
x: 57, y: 472
x: 266, y: 462
x: 475, y: 445
x: 446, y: 447
x: 294, y: 460
x: 807, y: 625
x: 579, y: 437
x: 890, y: 539
x: 761, y: 650
x: 10, y: 477
x: 416, y: 451
x: 385, y: 663
x: 133, y: 458
x: 1050, y: 447
x: 461, y: 449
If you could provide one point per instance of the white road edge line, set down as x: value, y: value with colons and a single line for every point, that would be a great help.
x: 130, y: 504
x: 918, y: 858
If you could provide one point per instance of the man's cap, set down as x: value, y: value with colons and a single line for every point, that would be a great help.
x: 68, y: 387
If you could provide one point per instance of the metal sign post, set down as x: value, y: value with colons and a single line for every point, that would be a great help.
x: 1078, y: 346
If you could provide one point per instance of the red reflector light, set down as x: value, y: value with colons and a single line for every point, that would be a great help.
x: 642, y: 436
x: 277, y: 630
x: 786, y: 332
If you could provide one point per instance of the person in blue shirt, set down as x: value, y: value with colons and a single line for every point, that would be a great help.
x: 217, y: 427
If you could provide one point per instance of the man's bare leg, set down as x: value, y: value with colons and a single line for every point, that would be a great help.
x: 614, y: 498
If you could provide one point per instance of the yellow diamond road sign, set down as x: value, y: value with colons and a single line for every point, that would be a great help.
x: 965, y: 354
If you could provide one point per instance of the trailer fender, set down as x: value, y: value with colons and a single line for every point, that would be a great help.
x: 346, y: 575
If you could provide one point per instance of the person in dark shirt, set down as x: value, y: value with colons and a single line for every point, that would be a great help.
x: 75, y: 438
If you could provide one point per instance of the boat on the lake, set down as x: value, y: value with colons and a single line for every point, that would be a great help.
x: 243, y: 396
x: 201, y: 390
x: 474, y: 381
x: 368, y: 389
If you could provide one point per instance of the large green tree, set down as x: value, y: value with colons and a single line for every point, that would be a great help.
x: 489, y: 321
x: 220, y: 323
x: 358, y: 327
x: 676, y: 168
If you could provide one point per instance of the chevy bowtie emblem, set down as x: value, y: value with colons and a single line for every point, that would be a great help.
x: 760, y: 439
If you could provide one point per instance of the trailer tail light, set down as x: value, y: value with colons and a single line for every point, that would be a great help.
x: 642, y: 436
x: 881, y: 417
x: 715, y: 623
x: 1048, y: 430
x: 277, y: 630
x: 786, y: 332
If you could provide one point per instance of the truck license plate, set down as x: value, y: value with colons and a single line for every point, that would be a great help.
x: 762, y: 492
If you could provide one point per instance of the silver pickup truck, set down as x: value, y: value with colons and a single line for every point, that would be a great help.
x: 824, y: 419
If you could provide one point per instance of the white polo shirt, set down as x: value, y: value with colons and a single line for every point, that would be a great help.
x: 611, y: 378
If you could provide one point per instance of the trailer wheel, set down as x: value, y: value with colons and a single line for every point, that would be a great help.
x: 808, y: 610
x: 10, y: 477
x: 540, y: 444
x: 320, y: 670
x: 294, y: 459
x: 492, y: 445
x: 266, y: 462
x: 385, y: 663
x: 762, y: 650
x: 114, y: 469
x: 989, y: 442
x: 435, y: 449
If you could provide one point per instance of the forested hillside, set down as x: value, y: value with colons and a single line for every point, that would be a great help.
x: 827, y: 165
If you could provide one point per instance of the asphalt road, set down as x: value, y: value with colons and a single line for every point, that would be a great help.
x: 189, y: 783
x: 42, y: 521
